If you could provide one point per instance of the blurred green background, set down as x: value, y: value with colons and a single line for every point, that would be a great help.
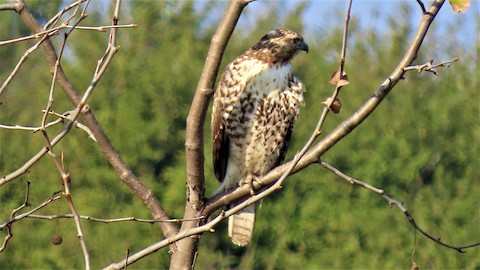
x: 422, y: 145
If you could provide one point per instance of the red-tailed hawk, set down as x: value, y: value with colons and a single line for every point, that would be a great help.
x: 254, y: 109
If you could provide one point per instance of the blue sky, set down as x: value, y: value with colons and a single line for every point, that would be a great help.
x: 373, y: 13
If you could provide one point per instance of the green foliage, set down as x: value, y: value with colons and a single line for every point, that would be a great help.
x: 421, y: 145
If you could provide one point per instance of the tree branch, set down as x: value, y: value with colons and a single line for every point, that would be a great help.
x: 183, y: 256
x: 107, y: 220
x: 111, y: 154
x: 391, y: 201
x: 430, y: 67
x: 11, y: 6
x: 14, y: 217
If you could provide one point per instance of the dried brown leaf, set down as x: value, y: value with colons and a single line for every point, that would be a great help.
x: 459, y: 6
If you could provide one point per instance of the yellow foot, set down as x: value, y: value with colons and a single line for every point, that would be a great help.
x: 250, y: 180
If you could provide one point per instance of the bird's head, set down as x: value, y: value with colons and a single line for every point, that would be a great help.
x: 282, y: 43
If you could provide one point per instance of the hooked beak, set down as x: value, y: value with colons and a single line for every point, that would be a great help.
x: 304, y: 47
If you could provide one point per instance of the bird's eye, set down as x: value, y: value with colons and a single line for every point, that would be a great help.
x: 297, y: 40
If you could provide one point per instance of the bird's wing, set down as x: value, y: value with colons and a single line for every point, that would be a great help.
x: 220, y: 141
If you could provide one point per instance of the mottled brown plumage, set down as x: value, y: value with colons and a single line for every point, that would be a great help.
x: 254, y: 109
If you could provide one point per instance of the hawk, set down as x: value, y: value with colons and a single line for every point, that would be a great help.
x: 254, y: 109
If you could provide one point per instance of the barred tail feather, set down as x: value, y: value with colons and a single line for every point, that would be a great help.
x: 240, y: 226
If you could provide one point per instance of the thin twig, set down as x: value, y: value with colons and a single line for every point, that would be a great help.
x: 208, y: 227
x: 104, y: 28
x: 66, y: 183
x: 52, y: 87
x: 113, y: 220
x: 96, y: 131
x: 57, y: 16
x: 40, y: 35
x: 126, y: 259
x: 422, y: 6
x: 23, y: 59
x: 57, y: 63
x: 57, y: 29
x: 61, y: 119
x: 392, y: 201
x: 8, y: 224
x: 14, y: 217
x: 430, y: 67
x: 29, y: 128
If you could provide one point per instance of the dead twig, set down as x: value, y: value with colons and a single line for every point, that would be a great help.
x: 14, y: 217
x: 430, y: 67
x: 392, y: 201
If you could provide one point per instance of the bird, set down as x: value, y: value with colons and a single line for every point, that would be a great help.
x: 255, y: 106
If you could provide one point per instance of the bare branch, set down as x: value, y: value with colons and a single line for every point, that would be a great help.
x: 422, y: 6
x: 27, y: 128
x: 57, y: 16
x: 23, y: 59
x: 52, y: 87
x: 66, y: 116
x: 14, y: 217
x: 430, y: 67
x: 104, y: 28
x: 208, y: 227
x: 66, y: 183
x: 57, y: 29
x: 391, y: 201
x: 50, y: 32
x: 111, y: 154
x: 111, y: 220
x: 11, y: 6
